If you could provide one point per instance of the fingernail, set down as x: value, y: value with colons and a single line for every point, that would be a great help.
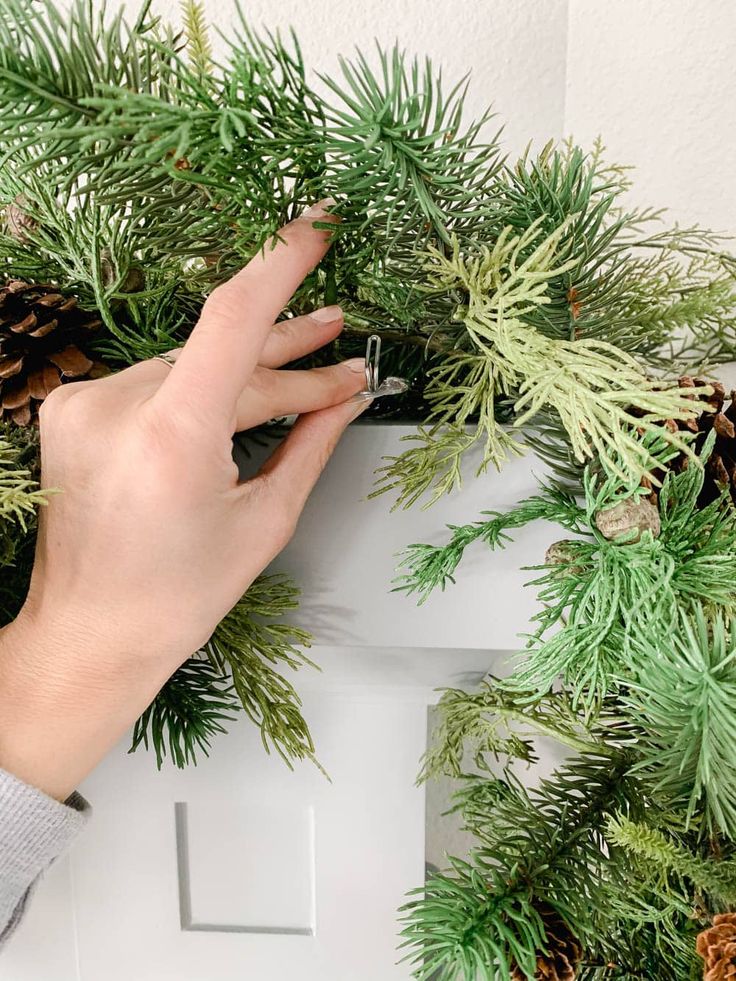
x: 355, y: 364
x: 326, y: 315
x: 319, y: 210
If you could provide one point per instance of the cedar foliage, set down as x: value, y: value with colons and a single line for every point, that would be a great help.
x: 529, y: 307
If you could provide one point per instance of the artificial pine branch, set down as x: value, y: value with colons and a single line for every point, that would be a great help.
x: 236, y: 670
x: 683, y: 690
x: 432, y: 566
x: 251, y: 644
x: 479, y: 918
x: 191, y: 708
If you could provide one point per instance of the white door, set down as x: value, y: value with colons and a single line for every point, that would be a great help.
x: 239, y: 869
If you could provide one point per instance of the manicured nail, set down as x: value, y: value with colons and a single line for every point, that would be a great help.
x: 326, y: 315
x: 319, y: 210
x: 355, y: 364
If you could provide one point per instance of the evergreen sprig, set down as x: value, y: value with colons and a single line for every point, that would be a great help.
x: 684, y: 691
x: 20, y: 495
x: 237, y: 670
x: 663, y: 856
x: 251, y: 642
x: 433, y: 566
x: 480, y: 918
x: 192, y: 707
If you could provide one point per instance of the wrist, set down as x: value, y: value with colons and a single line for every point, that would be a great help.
x: 66, y: 696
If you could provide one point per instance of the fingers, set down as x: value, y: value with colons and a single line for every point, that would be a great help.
x: 291, y: 339
x: 283, y: 393
x: 289, y: 475
x: 225, y: 346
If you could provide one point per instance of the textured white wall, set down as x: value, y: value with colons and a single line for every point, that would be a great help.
x: 515, y: 49
x: 655, y: 78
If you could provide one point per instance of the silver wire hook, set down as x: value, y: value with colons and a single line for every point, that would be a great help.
x: 373, y: 387
x: 372, y: 362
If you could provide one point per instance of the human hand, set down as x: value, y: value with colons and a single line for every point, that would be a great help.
x: 152, y: 538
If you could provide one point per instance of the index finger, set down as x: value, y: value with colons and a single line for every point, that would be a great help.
x: 223, y: 349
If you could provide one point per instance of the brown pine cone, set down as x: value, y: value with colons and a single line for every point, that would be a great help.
x: 717, y: 947
x: 564, y: 952
x: 44, y: 338
x: 720, y: 415
x: 17, y: 222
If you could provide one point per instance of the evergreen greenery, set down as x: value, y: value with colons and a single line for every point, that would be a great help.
x: 630, y: 668
x: 529, y: 307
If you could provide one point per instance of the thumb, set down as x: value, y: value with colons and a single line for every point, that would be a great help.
x: 295, y: 466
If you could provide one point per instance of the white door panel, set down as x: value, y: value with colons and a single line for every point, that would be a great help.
x: 240, y: 869
x: 344, y: 554
x: 288, y: 875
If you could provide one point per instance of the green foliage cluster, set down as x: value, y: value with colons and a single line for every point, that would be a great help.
x: 529, y: 306
x: 631, y: 669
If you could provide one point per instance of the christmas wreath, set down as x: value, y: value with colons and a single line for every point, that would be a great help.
x: 530, y: 308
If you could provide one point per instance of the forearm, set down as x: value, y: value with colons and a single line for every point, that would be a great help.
x: 65, y: 700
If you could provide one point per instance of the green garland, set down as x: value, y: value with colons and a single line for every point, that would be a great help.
x: 631, y: 668
x: 530, y: 308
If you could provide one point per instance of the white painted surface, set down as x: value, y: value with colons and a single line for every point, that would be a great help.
x: 656, y: 80
x: 348, y: 850
x: 344, y: 555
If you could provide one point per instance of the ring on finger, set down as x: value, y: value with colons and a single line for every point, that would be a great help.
x: 168, y: 357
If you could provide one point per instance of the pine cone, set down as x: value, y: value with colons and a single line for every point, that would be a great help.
x: 43, y: 337
x: 717, y: 947
x: 563, y: 955
x: 627, y: 517
x: 18, y: 223
x: 720, y: 414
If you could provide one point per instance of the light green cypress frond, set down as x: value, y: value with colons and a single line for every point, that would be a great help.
x: 19, y: 495
x: 602, y: 396
x: 662, y: 856
x: 198, y: 41
x: 493, y: 722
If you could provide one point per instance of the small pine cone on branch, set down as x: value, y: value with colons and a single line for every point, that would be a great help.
x: 564, y: 952
x: 44, y: 341
x: 17, y: 222
x: 717, y: 947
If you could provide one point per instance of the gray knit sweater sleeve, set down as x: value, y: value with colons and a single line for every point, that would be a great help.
x: 34, y: 831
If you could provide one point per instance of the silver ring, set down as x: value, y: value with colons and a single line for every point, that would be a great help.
x: 167, y: 358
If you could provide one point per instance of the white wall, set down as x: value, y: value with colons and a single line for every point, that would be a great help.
x: 514, y: 48
x: 655, y: 78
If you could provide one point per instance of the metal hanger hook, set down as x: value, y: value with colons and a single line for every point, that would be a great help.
x: 372, y: 362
